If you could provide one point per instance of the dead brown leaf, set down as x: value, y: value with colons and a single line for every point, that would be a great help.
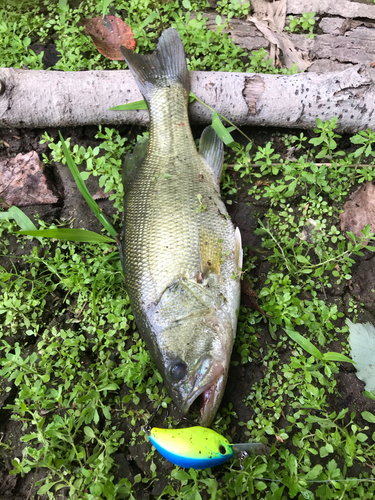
x: 108, y: 34
x: 279, y: 438
x: 249, y: 295
x: 22, y: 181
x: 262, y: 182
x: 247, y: 288
x: 102, y: 195
x: 359, y: 210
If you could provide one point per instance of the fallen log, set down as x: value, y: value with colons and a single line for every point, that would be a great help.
x: 38, y: 99
x: 343, y: 8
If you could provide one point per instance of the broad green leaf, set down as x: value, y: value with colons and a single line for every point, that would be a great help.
x: 130, y: 106
x: 313, y: 473
x: 368, y: 394
x: 181, y: 475
x: 89, y: 432
x: 369, y: 417
x: 85, y: 192
x: 192, y: 97
x: 79, y: 235
x: 46, y: 487
x: 362, y: 344
x: 221, y: 131
x: 303, y: 259
x: 110, y: 387
x: 336, y: 356
x: 304, y: 343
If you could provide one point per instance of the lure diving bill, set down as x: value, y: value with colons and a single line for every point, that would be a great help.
x: 199, y: 447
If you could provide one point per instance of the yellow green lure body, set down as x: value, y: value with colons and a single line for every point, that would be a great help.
x: 196, y: 447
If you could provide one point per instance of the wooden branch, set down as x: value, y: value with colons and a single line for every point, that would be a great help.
x: 38, y: 99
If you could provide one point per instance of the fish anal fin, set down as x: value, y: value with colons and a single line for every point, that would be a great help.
x: 212, y: 149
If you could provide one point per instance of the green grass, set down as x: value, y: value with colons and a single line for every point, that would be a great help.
x: 86, y: 349
x: 28, y: 23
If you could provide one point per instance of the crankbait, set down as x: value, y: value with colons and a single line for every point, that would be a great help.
x: 199, y: 447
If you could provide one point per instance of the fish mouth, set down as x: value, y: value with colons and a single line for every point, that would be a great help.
x: 211, y: 399
x: 211, y: 391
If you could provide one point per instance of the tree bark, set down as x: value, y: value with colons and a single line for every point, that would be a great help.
x: 38, y: 99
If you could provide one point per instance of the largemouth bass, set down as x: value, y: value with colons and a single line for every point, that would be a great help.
x: 181, y: 255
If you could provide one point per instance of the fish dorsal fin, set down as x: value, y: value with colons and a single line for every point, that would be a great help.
x: 211, y: 249
x: 133, y: 161
x: 166, y: 65
x: 238, y: 249
x: 212, y: 149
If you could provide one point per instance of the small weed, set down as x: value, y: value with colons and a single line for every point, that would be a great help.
x: 233, y: 8
x: 304, y: 24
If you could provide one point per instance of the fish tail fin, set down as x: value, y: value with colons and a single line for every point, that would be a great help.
x: 165, y: 66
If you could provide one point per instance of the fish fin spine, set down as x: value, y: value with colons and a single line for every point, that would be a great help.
x: 238, y: 249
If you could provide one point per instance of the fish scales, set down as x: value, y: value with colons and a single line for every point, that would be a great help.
x: 178, y: 252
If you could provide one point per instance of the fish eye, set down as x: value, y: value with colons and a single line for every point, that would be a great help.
x: 222, y: 449
x: 179, y: 370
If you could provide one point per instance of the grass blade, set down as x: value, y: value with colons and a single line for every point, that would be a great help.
x: 140, y: 104
x: 221, y: 116
x: 149, y: 19
x: 337, y: 356
x: 78, y: 235
x: 304, y: 343
x: 130, y: 106
x: 85, y: 192
x: 21, y: 218
x: 221, y: 131
x: 106, y: 4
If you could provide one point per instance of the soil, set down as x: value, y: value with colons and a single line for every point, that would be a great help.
x: 245, y: 212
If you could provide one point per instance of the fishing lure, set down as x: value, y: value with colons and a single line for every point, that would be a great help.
x: 199, y: 447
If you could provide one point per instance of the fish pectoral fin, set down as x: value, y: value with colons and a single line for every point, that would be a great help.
x: 133, y: 161
x: 211, y: 249
x: 180, y: 300
x: 238, y: 250
x: 212, y: 149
